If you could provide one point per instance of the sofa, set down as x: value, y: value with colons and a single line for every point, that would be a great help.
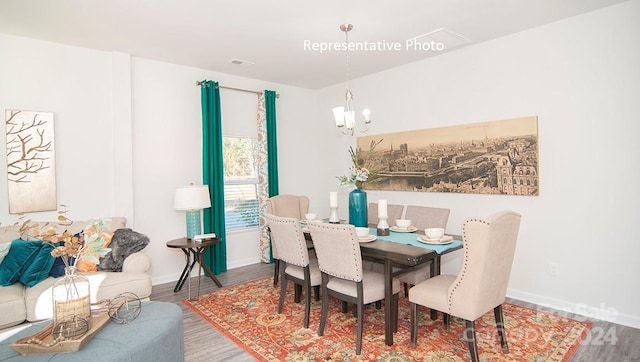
x: 20, y: 303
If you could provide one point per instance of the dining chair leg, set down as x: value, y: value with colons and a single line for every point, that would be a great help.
x: 470, y: 334
x: 447, y: 318
x: 297, y: 291
x: 360, y: 312
x: 307, y: 296
x: 325, y: 305
x: 394, y: 309
x: 316, y: 292
x: 434, y: 314
x: 497, y: 313
x: 406, y: 290
x: 414, y: 324
x: 276, y: 271
x: 345, y: 306
x: 283, y: 289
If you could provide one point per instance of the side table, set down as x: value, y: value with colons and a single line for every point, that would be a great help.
x: 193, y: 248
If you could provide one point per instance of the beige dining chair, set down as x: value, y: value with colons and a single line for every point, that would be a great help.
x: 481, y: 285
x: 423, y: 217
x: 285, y: 206
x: 295, y: 264
x: 393, y: 211
x: 340, y: 261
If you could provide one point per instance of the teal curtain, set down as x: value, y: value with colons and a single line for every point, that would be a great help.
x: 213, y: 174
x: 272, y: 141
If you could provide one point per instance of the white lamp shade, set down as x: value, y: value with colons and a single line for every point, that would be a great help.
x: 338, y: 114
x: 195, y: 197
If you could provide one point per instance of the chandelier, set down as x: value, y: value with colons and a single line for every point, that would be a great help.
x: 345, y: 116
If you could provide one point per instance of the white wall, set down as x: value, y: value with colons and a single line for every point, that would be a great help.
x: 581, y: 78
x: 123, y: 155
x: 168, y: 146
x: 128, y: 131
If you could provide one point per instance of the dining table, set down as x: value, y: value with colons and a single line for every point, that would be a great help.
x: 401, y: 252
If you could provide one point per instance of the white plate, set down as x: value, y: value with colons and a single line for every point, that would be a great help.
x: 410, y: 229
x: 306, y: 230
x: 447, y: 239
x: 367, y: 239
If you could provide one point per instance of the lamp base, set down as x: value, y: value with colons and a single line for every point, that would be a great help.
x: 193, y: 223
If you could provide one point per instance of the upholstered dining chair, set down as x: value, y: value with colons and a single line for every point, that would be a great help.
x: 295, y: 264
x: 285, y: 206
x: 481, y: 285
x: 393, y: 211
x: 340, y: 261
x: 423, y: 217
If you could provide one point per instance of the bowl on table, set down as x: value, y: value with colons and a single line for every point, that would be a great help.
x: 362, y: 232
x: 310, y: 216
x: 403, y: 223
x: 434, y: 233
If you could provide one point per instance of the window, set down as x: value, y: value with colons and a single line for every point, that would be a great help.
x: 240, y: 182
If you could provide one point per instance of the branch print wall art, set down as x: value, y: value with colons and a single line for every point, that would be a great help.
x: 31, y: 176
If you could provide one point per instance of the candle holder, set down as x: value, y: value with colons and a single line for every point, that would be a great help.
x: 383, y: 227
x: 333, y: 216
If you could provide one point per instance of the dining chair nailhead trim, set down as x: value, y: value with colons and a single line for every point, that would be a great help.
x: 463, y: 272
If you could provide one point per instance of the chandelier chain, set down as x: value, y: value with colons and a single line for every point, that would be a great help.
x: 347, y: 73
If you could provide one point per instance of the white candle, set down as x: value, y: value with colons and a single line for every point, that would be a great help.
x: 333, y: 199
x: 382, y: 209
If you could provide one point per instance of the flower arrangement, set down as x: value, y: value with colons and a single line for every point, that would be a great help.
x: 362, y: 169
x: 84, y: 250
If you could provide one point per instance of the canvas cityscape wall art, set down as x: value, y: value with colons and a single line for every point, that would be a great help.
x: 31, y: 166
x: 496, y: 157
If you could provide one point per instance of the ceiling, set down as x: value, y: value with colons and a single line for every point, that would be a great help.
x: 272, y: 34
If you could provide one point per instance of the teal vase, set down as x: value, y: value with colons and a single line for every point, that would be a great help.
x: 358, y: 207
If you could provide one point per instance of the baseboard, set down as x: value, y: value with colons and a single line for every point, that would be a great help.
x: 241, y: 263
x: 601, y: 312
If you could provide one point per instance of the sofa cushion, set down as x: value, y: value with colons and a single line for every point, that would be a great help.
x: 17, y: 260
x: 102, y: 285
x: 4, y: 250
x: 39, y: 268
x: 12, y: 305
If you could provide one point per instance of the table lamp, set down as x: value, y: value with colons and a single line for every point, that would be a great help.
x: 192, y: 199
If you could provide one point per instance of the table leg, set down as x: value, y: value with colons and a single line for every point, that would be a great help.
x: 185, y: 272
x: 388, y: 294
x: 434, y: 270
x: 195, y: 260
x: 207, y: 270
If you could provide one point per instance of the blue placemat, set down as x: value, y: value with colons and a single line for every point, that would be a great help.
x: 412, y: 239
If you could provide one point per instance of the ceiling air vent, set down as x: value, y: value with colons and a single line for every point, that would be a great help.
x: 444, y: 39
x: 241, y: 62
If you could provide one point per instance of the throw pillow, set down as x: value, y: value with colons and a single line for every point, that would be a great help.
x: 20, y: 256
x: 39, y: 268
x: 124, y: 243
x: 57, y: 269
x: 95, y: 248
x: 4, y: 250
x: 59, y: 266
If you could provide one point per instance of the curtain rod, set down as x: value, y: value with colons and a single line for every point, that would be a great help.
x: 199, y: 83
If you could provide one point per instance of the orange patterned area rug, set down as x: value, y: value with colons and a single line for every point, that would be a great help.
x: 248, y: 315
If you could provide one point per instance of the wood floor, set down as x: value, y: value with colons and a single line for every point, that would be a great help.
x: 203, y: 343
